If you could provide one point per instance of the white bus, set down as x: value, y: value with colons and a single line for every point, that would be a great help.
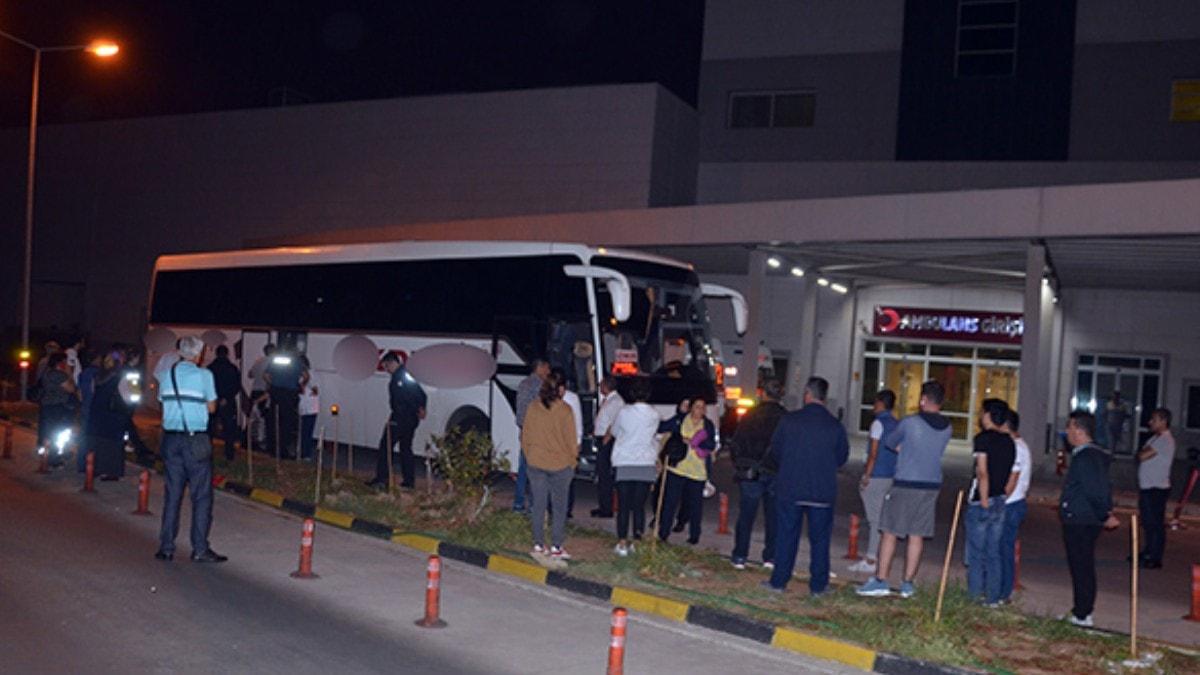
x: 515, y: 300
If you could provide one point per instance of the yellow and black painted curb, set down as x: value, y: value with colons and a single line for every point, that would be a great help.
x: 779, y: 637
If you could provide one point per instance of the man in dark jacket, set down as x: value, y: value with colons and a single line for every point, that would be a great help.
x: 754, y: 471
x: 407, y: 401
x: 1085, y: 508
x: 809, y: 446
x: 228, y: 381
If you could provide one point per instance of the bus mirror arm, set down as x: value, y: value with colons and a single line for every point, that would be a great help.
x: 617, y: 283
x: 740, y: 311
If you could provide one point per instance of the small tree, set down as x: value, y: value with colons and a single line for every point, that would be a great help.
x: 466, y: 459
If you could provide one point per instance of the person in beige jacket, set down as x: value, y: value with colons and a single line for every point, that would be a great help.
x: 551, y: 451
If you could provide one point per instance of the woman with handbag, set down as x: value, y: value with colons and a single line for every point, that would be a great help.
x: 634, y: 454
x: 692, y: 437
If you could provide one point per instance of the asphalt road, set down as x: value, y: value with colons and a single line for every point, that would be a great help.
x: 80, y: 591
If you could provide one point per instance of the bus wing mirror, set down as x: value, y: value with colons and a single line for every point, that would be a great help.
x: 617, y: 283
x: 740, y: 313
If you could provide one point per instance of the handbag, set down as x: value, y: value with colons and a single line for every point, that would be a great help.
x: 675, y: 449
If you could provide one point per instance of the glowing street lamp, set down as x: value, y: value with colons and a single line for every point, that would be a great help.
x: 101, y: 49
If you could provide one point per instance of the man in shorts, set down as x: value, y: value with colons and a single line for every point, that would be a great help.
x: 911, y: 503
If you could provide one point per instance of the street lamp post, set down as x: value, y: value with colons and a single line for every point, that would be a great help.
x: 102, y: 49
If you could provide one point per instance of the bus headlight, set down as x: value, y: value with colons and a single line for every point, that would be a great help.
x: 62, y: 439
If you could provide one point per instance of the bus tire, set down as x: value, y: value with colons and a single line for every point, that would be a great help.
x: 469, y: 418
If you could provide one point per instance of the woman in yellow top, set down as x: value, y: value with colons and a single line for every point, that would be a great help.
x: 551, y: 452
x: 685, y: 479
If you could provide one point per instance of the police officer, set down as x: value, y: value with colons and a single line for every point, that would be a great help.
x: 407, y: 400
x: 188, y: 396
x: 283, y: 388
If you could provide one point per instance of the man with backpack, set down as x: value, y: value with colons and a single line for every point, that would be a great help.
x: 754, y: 470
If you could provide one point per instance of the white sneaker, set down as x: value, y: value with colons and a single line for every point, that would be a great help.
x: 538, y: 549
x: 558, y: 553
x: 863, y: 567
x: 1085, y: 622
x: 768, y: 565
x: 621, y: 550
x: 739, y: 565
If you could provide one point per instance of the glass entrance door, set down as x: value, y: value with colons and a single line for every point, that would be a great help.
x: 905, y: 378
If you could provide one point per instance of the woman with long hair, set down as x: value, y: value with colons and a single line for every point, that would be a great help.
x: 551, y: 452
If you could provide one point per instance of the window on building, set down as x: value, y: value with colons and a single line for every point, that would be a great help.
x: 986, y: 38
x: 767, y: 109
x: 1121, y: 390
x: 1185, y: 101
x: 1191, y: 403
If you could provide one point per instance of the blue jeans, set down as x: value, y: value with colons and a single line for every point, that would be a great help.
x: 187, y: 462
x: 985, y: 528
x: 1014, y: 515
x: 522, y: 482
x: 751, y: 493
x: 789, y: 518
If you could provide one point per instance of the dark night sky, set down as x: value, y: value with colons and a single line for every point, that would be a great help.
x: 195, y: 55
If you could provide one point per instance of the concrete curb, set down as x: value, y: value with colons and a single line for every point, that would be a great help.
x: 779, y: 637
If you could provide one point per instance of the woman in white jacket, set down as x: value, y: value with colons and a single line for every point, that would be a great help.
x: 634, y: 458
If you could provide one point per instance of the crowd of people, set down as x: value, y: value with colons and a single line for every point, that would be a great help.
x: 786, y: 465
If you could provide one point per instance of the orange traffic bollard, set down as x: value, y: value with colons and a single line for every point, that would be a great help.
x: 616, y: 645
x: 852, y: 550
x: 1017, y: 567
x: 89, y: 476
x: 1195, y: 614
x: 143, y: 505
x: 723, y: 515
x: 433, y: 596
x: 306, y: 549
x: 8, y: 432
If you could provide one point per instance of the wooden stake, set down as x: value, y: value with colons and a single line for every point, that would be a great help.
x: 391, y: 480
x: 333, y: 469
x: 1133, y: 605
x: 937, y: 614
x: 350, y: 453
x: 250, y: 447
x: 662, y: 489
x: 320, y: 459
x: 276, y: 441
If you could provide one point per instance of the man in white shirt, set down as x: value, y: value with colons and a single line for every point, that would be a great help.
x: 1014, y: 505
x: 610, y: 404
x: 1154, y: 486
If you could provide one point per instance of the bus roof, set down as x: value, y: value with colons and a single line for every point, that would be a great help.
x: 394, y: 250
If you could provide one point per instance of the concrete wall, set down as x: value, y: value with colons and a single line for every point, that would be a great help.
x: 1132, y: 322
x: 741, y: 29
x: 728, y: 182
x: 113, y: 195
x: 855, y: 117
x: 1121, y: 100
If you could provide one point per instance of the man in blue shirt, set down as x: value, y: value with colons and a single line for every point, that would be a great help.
x: 188, y: 396
x: 809, y: 446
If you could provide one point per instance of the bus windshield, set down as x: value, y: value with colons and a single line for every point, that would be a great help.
x: 666, y: 338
